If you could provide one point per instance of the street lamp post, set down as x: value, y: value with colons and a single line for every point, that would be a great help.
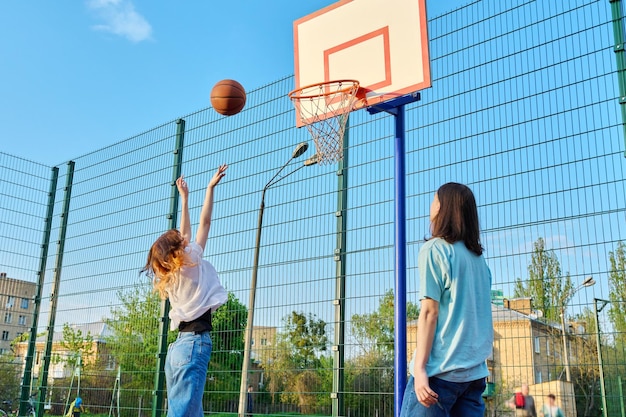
x: 243, y: 397
x: 588, y: 282
x: 599, y: 345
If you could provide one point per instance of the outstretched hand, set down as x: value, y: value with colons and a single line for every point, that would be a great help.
x: 181, y: 184
x: 219, y: 174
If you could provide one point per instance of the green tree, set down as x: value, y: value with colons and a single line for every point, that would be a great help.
x: 370, y: 374
x: 546, y: 284
x: 369, y: 385
x: 278, y: 369
x: 133, y: 343
x: 297, y: 369
x: 614, y: 345
x: 617, y: 292
x: 375, y: 331
x: 78, y: 346
x: 585, y: 371
x: 229, y: 323
x: 308, y: 336
x: 10, y: 373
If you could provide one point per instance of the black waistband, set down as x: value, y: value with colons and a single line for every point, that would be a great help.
x: 199, y: 325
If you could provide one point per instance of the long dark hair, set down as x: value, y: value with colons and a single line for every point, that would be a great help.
x: 457, y: 219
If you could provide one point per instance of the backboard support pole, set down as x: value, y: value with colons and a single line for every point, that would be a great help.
x: 387, y: 54
x: 396, y: 107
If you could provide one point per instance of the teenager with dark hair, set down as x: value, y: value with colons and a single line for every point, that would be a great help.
x: 455, y: 330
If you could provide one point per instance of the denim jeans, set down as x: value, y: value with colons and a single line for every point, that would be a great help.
x: 456, y: 399
x: 185, y: 373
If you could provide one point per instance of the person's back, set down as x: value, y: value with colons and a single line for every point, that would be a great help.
x: 454, y: 332
x: 462, y: 286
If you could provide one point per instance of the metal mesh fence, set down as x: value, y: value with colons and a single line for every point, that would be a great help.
x: 524, y: 108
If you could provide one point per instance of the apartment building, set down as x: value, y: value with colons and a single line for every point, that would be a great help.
x: 97, y: 331
x: 16, y: 309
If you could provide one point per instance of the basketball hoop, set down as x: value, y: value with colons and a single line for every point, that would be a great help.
x: 324, y: 108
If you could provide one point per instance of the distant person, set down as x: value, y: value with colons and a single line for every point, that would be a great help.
x: 523, y: 403
x: 550, y: 409
x: 250, y: 402
x: 76, y: 407
x: 191, y: 284
x: 455, y: 330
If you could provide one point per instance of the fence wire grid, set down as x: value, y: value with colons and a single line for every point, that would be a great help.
x: 526, y: 108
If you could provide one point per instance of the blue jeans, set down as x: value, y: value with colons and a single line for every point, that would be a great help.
x: 185, y: 373
x: 457, y: 399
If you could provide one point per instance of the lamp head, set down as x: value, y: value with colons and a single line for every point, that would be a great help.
x: 588, y: 282
x: 312, y: 160
x: 300, y: 149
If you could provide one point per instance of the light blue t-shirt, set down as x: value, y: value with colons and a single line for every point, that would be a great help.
x: 460, y: 281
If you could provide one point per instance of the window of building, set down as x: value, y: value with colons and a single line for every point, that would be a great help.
x: 10, y: 301
x: 263, y: 342
x: 537, y: 345
x: 3, y: 351
x: 5, y: 335
x: 538, y: 379
x: 24, y: 304
x: 8, y: 317
x: 110, y: 363
x: 21, y: 320
x: 556, y: 349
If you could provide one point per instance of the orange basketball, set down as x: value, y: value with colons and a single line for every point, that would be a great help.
x: 228, y: 97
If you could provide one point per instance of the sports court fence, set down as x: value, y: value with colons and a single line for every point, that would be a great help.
x: 526, y: 107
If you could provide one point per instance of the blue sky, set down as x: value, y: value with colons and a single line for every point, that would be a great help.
x: 77, y: 76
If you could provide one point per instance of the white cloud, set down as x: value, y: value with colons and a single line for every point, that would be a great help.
x: 120, y: 18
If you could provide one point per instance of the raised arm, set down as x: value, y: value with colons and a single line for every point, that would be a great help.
x: 207, y: 207
x: 183, y: 190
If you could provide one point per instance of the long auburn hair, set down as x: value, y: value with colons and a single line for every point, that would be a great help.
x: 166, y: 257
x: 457, y: 219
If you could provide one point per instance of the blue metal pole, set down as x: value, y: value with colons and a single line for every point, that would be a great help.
x: 396, y: 108
x: 400, y: 245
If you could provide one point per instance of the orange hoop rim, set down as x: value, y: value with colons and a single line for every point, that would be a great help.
x: 297, y: 93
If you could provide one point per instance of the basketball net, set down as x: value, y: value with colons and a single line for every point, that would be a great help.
x: 324, y: 109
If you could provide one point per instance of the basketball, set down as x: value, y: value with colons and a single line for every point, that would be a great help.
x: 228, y: 97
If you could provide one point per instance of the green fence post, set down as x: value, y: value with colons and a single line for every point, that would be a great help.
x: 54, y: 296
x: 621, y: 395
x: 620, y: 57
x: 30, y: 353
x: 337, y: 394
x: 159, y: 378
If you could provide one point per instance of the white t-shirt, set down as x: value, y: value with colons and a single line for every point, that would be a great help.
x: 195, y: 290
